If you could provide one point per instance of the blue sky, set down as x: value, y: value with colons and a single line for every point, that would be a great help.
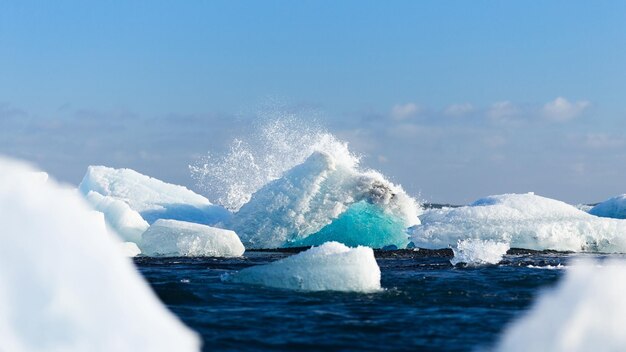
x: 453, y: 99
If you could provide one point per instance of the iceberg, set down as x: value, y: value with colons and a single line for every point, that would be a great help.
x: 585, y: 312
x: 119, y: 216
x: 178, y: 238
x: 329, y: 267
x: 153, y: 199
x: 611, y: 208
x: 130, y: 249
x: 521, y: 220
x: 326, y: 198
x: 64, y: 283
x: 478, y: 252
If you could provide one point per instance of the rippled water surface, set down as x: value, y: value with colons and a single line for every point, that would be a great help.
x: 427, y: 303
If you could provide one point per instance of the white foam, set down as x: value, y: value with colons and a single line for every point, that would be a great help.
x: 179, y: 238
x: 64, y: 284
x: 611, y: 208
x: 524, y: 221
x: 152, y: 198
x: 585, y: 312
x: 313, y: 194
x: 329, y: 267
x: 273, y: 148
x: 478, y: 252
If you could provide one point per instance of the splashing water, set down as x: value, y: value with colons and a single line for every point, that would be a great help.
x: 277, y: 145
x: 478, y: 252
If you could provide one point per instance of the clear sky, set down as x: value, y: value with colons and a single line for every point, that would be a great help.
x: 453, y: 99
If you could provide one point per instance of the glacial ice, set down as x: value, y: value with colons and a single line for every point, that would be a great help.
x: 585, y: 312
x: 478, y: 252
x: 151, y: 198
x: 119, y: 216
x: 521, y: 220
x: 611, y: 208
x: 179, y: 238
x: 329, y: 267
x: 64, y: 284
x: 326, y: 198
x: 130, y: 249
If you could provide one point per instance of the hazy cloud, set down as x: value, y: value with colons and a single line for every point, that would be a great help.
x: 560, y: 109
x: 458, y: 109
x: 503, y: 111
x: 603, y: 141
x: 404, y: 111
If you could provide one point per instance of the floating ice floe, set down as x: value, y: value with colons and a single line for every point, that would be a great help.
x: 179, y: 238
x: 327, y: 198
x: 478, y: 252
x: 611, y: 208
x: 151, y: 198
x: 523, y: 221
x: 329, y: 267
x: 585, y: 312
x: 64, y: 285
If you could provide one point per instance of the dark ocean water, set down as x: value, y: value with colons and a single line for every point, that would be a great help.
x: 427, y: 303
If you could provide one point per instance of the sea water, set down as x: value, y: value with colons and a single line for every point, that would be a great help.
x: 427, y: 303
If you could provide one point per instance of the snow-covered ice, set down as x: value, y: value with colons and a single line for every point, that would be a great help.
x: 329, y: 267
x: 179, y: 238
x: 150, y: 197
x: 119, y: 216
x: 64, y: 283
x: 523, y: 221
x: 478, y: 252
x: 611, y: 208
x: 327, y: 198
x: 585, y: 312
x: 130, y: 249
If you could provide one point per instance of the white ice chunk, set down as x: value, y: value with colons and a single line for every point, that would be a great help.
x: 64, y: 284
x: 585, y: 312
x: 179, y: 238
x: 611, y: 208
x: 130, y: 249
x: 478, y: 252
x: 329, y: 267
x: 310, y: 196
x: 523, y: 221
x: 119, y: 216
x: 152, y: 198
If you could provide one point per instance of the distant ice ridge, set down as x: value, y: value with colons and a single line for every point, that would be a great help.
x: 327, y: 198
x: 524, y: 221
x: 611, y: 208
x: 478, y: 252
x: 153, y: 199
x: 64, y: 284
x: 179, y: 238
x: 329, y: 267
x: 585, y: 312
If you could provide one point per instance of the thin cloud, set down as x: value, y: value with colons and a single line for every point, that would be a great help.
x: 561, y: 109
x: 404, y: 111
x: 503, y: 111
x: 457, y: 110
x: 603, y: 141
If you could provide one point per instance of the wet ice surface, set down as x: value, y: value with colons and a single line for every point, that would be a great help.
x: 427, y: 303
